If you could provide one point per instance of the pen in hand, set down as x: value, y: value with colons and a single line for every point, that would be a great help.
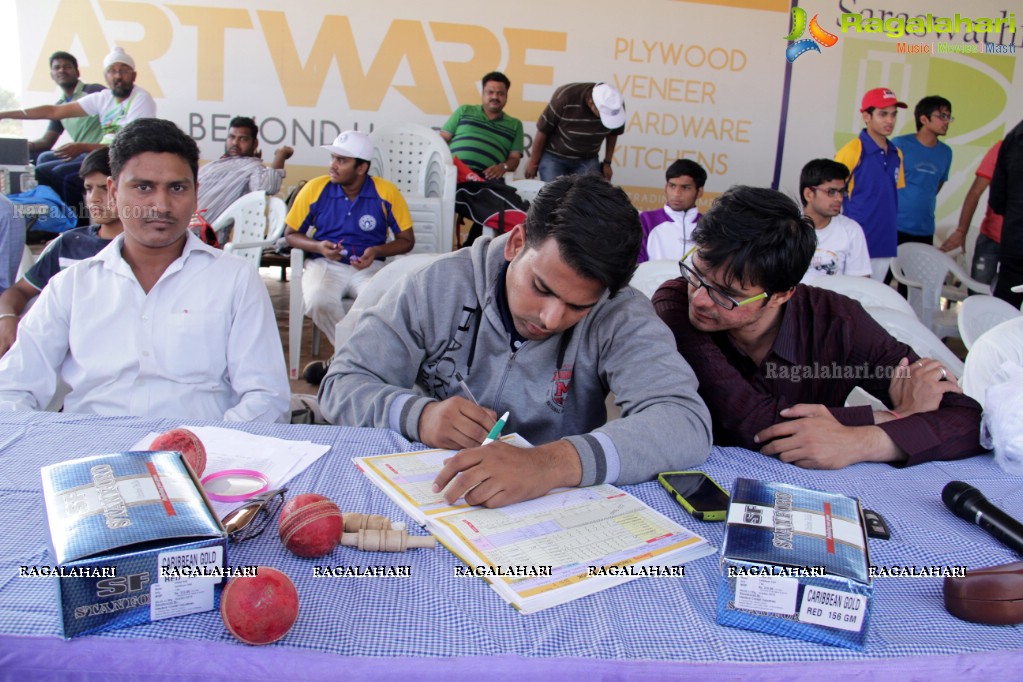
x: 495, y: 432
x: 465, y: 388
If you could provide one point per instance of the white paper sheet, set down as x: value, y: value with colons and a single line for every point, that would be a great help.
x: 278, y: 459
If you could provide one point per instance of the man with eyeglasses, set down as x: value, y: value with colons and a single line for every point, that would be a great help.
x: 875, y: 174
x: 841, y: 246
x: 926, y: 160
x: 776, y: 359
x: 123, y: 103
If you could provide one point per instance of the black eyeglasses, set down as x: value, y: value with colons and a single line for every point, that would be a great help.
x: 252, y: 518
x: 694, y: 280
x: 832, y: 192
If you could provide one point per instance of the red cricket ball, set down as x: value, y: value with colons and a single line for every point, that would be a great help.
x: 310, y: 525
x: 185, y: 442
x: 261, y: 608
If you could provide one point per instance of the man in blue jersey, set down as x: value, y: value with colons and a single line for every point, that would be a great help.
x: 341, y: 220
x: 875, y: 175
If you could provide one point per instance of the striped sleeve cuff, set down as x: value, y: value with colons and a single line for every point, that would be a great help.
x: 598, y: 456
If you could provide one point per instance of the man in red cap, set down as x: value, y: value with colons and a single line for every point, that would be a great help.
x: 875, y: 175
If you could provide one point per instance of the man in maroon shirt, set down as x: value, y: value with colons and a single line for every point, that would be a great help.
x: 777, y: 359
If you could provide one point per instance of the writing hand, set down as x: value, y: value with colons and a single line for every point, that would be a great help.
x: 455, y: 423
x: 499, y: 474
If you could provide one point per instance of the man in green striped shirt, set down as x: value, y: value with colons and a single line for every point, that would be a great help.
x: 482, y: 135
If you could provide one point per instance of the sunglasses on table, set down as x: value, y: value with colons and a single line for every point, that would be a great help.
x: 721, y: 298
x: 252, y: 518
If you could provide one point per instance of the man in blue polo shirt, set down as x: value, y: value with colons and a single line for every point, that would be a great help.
x: 341, y: 220
x: 875, y: 175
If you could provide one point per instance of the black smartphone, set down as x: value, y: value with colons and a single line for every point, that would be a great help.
x: 698, y: 493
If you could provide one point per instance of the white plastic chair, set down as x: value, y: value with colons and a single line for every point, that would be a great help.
x: 977, y: 314
x: 417, y: 160
x: 913, y: 333
x: 388, y: 276
x: 870, y: 293
x: 924, y: 269
x: 276, y: 212
x: 248, y: 238
x: 652, y: 274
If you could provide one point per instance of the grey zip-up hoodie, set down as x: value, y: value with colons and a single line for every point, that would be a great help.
x: 443, y: 320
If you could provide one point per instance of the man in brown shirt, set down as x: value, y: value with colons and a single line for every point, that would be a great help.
x: 578, y: 119
x: 777, y: 359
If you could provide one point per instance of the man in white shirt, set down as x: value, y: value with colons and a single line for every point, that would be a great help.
x: 123, y: 103
x: 841, y: 244
x: 144, y: 328
x: 668, y: 231
x: 239, y: 171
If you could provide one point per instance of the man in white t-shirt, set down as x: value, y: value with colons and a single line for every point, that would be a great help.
x: 121, y: 104
x: 841, y: 244
x: 668, y: 231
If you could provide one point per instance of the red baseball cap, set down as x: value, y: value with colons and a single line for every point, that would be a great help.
x: 879, y: 98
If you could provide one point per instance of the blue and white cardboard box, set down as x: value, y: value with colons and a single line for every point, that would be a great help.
x: 795, y: 563
x: 133, y: 538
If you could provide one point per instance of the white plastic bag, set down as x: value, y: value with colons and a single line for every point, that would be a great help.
x: 1001, y: 427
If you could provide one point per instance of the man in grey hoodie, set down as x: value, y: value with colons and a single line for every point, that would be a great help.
x: 539, y: 323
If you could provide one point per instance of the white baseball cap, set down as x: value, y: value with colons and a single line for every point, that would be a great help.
x: 610, y: 105
x: 353, y: 145
x: 118, y: 56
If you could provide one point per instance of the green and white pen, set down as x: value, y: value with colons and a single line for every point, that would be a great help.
x: 495, y: 432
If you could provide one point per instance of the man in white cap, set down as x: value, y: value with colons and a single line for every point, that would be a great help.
x: 341, y: 221
x: 569, y: 132
x: 116, y: 107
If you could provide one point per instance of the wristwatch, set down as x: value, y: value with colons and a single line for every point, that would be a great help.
x: 505, y: 167
x: 605, y: 162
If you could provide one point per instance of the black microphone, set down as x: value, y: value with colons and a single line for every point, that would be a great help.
x: 968, y: 503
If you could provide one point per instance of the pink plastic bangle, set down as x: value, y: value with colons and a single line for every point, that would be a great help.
x: 235, y: 472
